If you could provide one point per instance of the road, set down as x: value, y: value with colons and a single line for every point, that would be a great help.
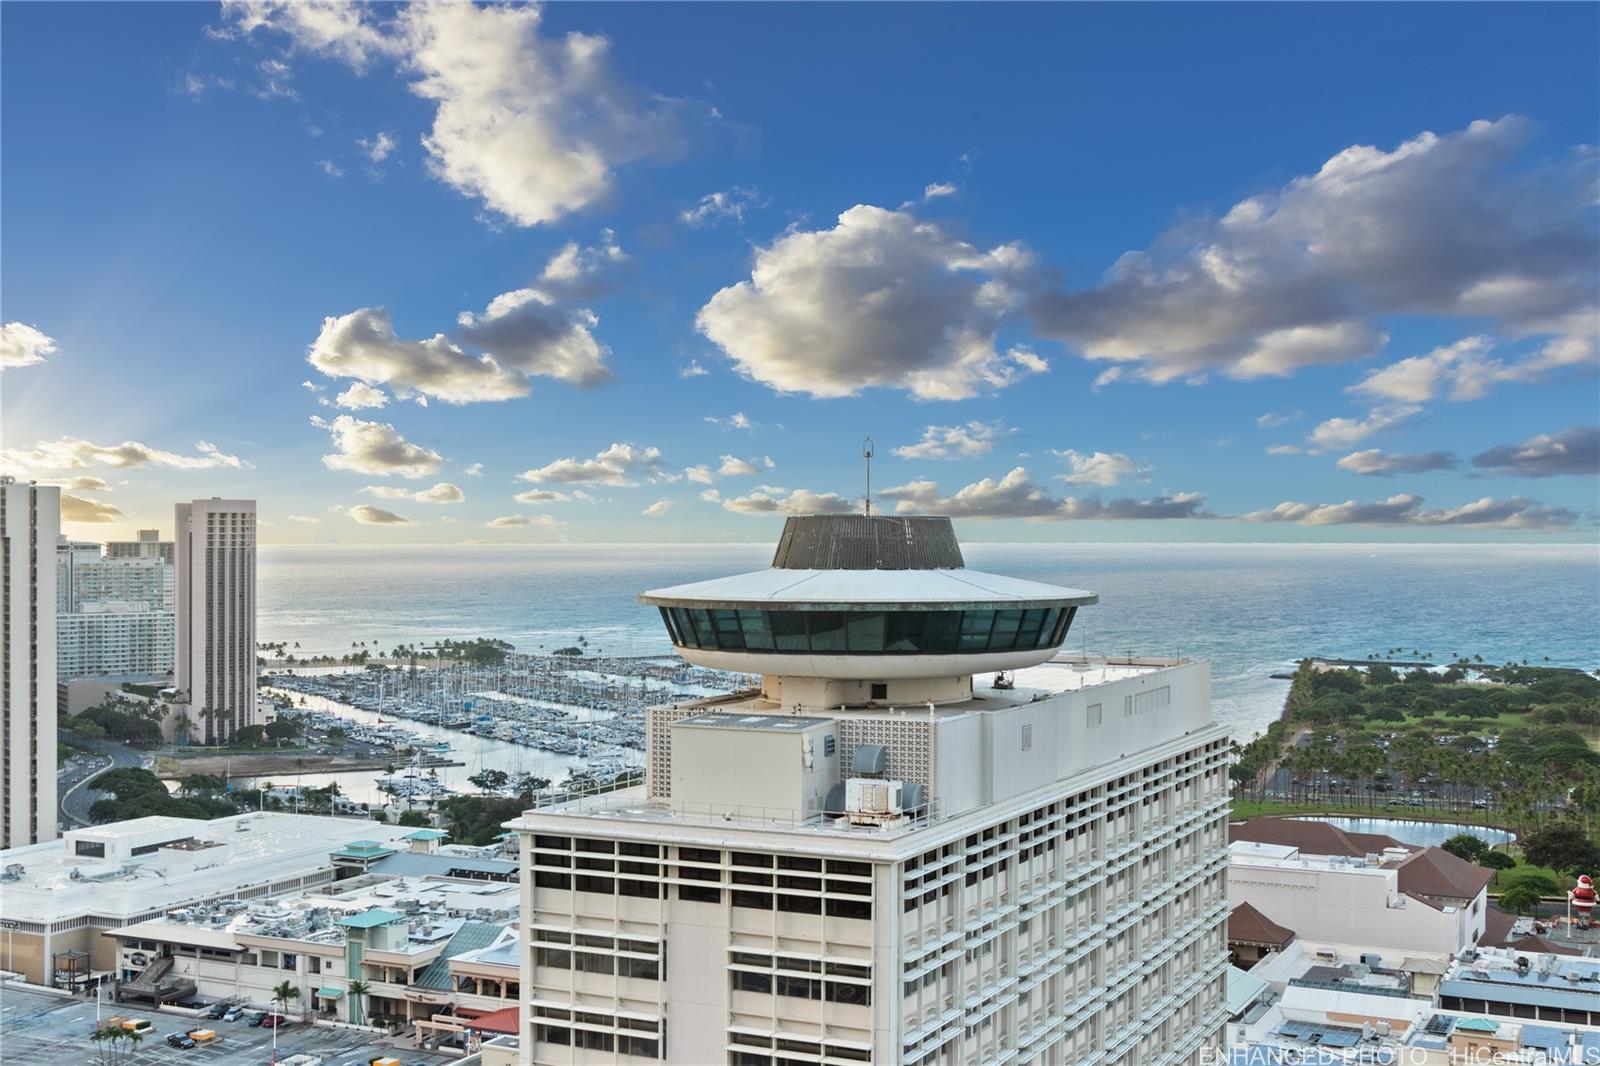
x: 75, y: 795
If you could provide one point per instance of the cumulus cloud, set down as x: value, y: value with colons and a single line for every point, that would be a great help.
x: 473, y: 470
x: 580, y: 271
x: 443, y: 492
x: 621, y: 464
x: 1274, y: 419
x: 369, y: 515
x: 534, y: 497
x: 1099, y: 468
x: 657, y: 509
x: 363, y: 345
x: 1465, y: 370
x: 737, y: 420
x: 71, y: 453
x: 360, y: 395
x: 769, y: 500
x: 1571, y: 451
x: 527, y: 331
x: 952, y: 442
x: 512, y: 521
x: 532, y: 126
x: 700, y: 473
x: 83, y: 509
x: 1016, y: 495
x: 716, y: 207
x: 1449, y: 225
x: 1375, y: 462
x: 882, y: 300
x: 937, y: 189
x: 733, y: 466
x: 1343, y: 432
x: 1516, y: 512
x: 24, y: 345
x: 375, y: 448
x: 376, y: 148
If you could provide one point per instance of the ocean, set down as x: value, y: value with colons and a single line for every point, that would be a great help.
x: 1252, y: 609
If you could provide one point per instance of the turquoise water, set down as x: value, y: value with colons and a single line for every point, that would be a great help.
x: 1422, y: 834
x: 1251, y: 609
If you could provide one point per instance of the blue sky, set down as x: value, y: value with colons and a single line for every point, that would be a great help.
x: 1083, y: 272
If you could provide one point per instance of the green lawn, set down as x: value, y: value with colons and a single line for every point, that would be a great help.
x: 1251, y: 808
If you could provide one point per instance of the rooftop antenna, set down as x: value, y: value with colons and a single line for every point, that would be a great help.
x: 866, y: 453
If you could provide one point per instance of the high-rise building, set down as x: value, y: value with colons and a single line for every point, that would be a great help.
x: 149, y: 545
x: 30, y: 522
x: 115, y: 616
x: 925, y: 837
x: 216, y: 617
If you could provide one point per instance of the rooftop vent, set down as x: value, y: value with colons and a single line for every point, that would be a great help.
x: 869, y: 759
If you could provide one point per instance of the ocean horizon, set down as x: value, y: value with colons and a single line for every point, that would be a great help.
x: 1251, y: 609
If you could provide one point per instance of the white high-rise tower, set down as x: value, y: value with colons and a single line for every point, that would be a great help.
x: 926, y: 837
x: 216, y: 597
x: 30, y: 522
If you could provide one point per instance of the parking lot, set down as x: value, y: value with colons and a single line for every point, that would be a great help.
x: 44, y: 1030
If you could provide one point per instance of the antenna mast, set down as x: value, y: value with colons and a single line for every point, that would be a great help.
x: 866, y: 453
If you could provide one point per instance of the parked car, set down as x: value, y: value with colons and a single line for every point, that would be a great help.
x: 217, y: 1011
x: 180, y: 1040
x: 272, y: 1021
x: 233, y: 1014
x: 258, y: 1018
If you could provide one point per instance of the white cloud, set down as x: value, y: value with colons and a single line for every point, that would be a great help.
x: 620, y: 464
x: 657, y: 509
x: 71, y: 453
x: 1016, y: 495
x: 363, y: 345
x: 716, y: 207
x: 767, y: 500
x: 1274, y: 419
x: 737, y: 420
x: 538, y: 521
x: 24, y: 345
x: 376, y: 448
x: 733, y: 466
x: 306, y: 519
x: 376, y: 148
x: 321, y: 27
x: 1516, y: 512
x: 700, y: 474
x: 952, y: 442
x: 1343, y: 432
x: 360, y: 395
x: 83, y: 509
x: 937, y: 189
x: 1099, y: 468
x: 330, y: 168
x: 580, y: 271
x: 1571, y: 451
x: 1465, y: 371
x: 443, y: 492
x: 369, y: 515
x: 526, y: 331
x: 692, y: 369
x: 1451, y: 225
x: 1374, y: 462
x: 882, y: 300
x: 1284, y: 449
x: 473, y: 470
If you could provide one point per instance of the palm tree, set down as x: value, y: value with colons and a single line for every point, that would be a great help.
x: 281, y: 995
x: 358, y: 993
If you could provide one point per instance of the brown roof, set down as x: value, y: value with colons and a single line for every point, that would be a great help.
x: 1496, y: 927
x: 1536, y: 943
x: 1311, y: 837
x: 1437, y: 873
x: 1246, y: 925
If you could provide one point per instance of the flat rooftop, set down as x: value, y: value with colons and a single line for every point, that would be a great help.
x: 231, y: 853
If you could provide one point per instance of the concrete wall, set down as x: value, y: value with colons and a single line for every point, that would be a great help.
x: 779, y: 769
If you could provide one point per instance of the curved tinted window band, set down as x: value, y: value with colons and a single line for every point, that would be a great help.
x: 868, y: 632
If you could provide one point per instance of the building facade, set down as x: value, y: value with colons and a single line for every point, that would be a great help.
x: 116, y: 615
x: 926, y: 838
x: 215, y: 669
x: 149, y: 545
x: 30, y: 522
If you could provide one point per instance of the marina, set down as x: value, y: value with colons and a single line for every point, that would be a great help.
x: 545, y: 717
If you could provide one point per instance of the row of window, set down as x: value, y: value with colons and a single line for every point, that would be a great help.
x: 594, y: 962
x: 868, y: 632
x: 589, y: 1040
x: 799, y: 1047
x: 800, y: 987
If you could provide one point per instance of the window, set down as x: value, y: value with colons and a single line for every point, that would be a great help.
x: 1095, y: 715
x: 93, y: 849
x: 867, y: 632
x: 1027, y: 736
x: 880, y: 691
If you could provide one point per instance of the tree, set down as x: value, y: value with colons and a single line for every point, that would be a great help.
x: 358, y: 1000
x: 1497, y: 860
x: 1563, y: 847
x: 417, y: 819
x: 490, y: 780
x: 1534, y: 880
x: 1466, y: 846
x: 1519, y: 899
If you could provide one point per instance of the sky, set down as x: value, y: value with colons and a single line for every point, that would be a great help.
x: 653, y: 273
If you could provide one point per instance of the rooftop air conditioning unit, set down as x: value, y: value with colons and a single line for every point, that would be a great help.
x: 872, y: 802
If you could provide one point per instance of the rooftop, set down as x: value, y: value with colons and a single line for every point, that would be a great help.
x: 888, y: 590
x: 57, y: 883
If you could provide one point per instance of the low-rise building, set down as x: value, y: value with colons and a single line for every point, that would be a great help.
x: 1502, y: 983
x: 60, y: 896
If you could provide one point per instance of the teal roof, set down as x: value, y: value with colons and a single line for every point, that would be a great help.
x: 330, y: 993
x: 470, y: 937
x: 1478, y: 1025
x: 370, y: 919
x: 364, y: 849
x: 1242, y: 990
x: 427, y: 834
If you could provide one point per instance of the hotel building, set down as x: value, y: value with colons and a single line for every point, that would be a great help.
x: 115, y: 613
x: 927, y: 837
x: 216, y: 617
x: 30, y: 522
x: 149, y: 545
